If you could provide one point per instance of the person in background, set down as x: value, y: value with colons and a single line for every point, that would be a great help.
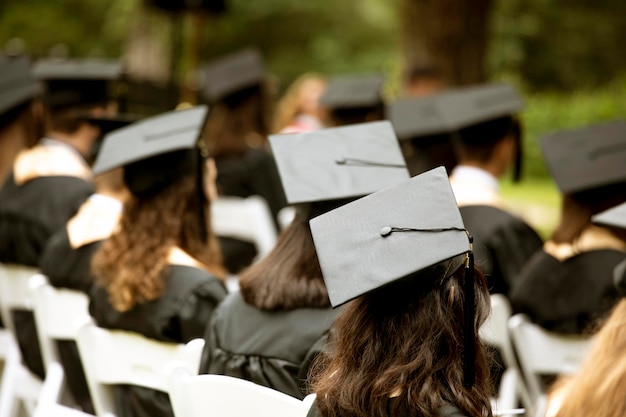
x: 353, y: 99
x: 51, y: 180
x: 425, y: 137
x: 235, y: 134
x: 567, y: 286
x: 162, y: 282
x: 299, y: 110
x: 423, y: 81
x: 488, y: 144
x: 272, y: 329
x: 406, y: 344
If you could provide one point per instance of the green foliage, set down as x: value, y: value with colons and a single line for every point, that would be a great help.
x: 549, y: 112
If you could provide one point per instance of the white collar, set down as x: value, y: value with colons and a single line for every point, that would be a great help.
x: 111, y: 203
x: 476, y: 176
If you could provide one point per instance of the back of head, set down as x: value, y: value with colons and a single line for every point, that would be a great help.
x: 476, y: 142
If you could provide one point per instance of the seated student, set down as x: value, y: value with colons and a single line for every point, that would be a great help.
x: 488, y: 143
x: 425, y: 137
x: 271, y: 330
x: 236, y: 137
x: 51, y: 180
x: 407, y: 343
x: 353, y: 99
x: 159, y: 273
x: 299, y: 111
x: 567, y: 286
x: 18, y: 122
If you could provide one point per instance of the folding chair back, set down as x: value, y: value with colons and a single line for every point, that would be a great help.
x: 115, y: 357
x: 542, y: 352
x: 225, y: 396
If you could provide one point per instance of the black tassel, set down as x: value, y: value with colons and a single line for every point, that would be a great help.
x: 469, y: 370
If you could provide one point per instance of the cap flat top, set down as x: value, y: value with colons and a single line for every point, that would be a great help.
x: 587, y: 158
x: 17, y: 85
x: 615, y: 217
x: 453, y: 109
x: 353, y: 92
x: 356, y: 255
x: 337, y: 163
x: 96, y: 69
x: 149, y: 137
x: 232, y: 73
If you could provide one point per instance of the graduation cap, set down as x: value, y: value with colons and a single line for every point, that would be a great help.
x: 587, y: 158
x: 17, y: 85
x: 614, y: 217
x: 619, y: 277
x: 76, y: 82
x: 338, y: 163
x: 411, y: 230
x: 231, y: 74
x: 349, y: 92
x: 107, y: 124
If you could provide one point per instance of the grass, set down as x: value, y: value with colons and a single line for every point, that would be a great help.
x: 535, y: 200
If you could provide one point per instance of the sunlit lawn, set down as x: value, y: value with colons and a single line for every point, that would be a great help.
x: 537, y: 201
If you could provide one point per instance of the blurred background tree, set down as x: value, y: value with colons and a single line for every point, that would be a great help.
x: 565, y: 55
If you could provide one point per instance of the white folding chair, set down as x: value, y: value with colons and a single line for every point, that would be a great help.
x: 247, y: 219
x: 19, y: 386
x: 495, y: 332
x: 115, y: 357
x: 542, y: 352
x: 58, y: 314
x: 224, y: 396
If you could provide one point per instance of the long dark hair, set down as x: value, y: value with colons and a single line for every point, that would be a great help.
x: 289, y: 277
x: 404, y: 341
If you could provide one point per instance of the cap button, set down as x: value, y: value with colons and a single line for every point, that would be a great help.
x: 385, y: 231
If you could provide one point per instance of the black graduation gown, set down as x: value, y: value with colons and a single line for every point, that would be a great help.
x: 179, y: 315
x: 273, y: 349
x: 568, y: 296
x: 253, y: 173
x: 502, y: 244
x: 29, y: 214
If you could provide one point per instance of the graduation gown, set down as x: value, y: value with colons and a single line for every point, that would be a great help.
x: 66, y: 261
x: 48, y: 184
x: 571, y: 294
x: 271, y: 348
x: 253, y: 173
x: 502, y: 242
x: 179, y: 315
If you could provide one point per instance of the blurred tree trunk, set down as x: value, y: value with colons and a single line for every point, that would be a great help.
x: 148, y: 49
x: 450, y: 35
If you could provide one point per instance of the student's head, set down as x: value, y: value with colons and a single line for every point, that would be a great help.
x: 588, y: 167
x: 421, y: 81
x: 290, y: 277
x: 354, y: 99
x: 402, y: 260
x: 302, y: 97
x: 235, y: 87
x: 168, y: 207
x: 17, y: 99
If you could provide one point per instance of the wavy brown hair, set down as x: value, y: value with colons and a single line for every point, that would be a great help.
x: 133, y: 262
x: 598, y: 388
x: 289, y: 277
x: 406, y: 341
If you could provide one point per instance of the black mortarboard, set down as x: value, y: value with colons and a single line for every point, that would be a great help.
x: 587, y: 158
x: 411, y: 229
x: 231, y: 74
x: 17, y: 85
x: 77, y: 82
x: 415, y: 117
x: 619, y: 277
x: 614, y: 217
x: 338, y: 163
x: 349, y: 92
x: 107, y: 124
